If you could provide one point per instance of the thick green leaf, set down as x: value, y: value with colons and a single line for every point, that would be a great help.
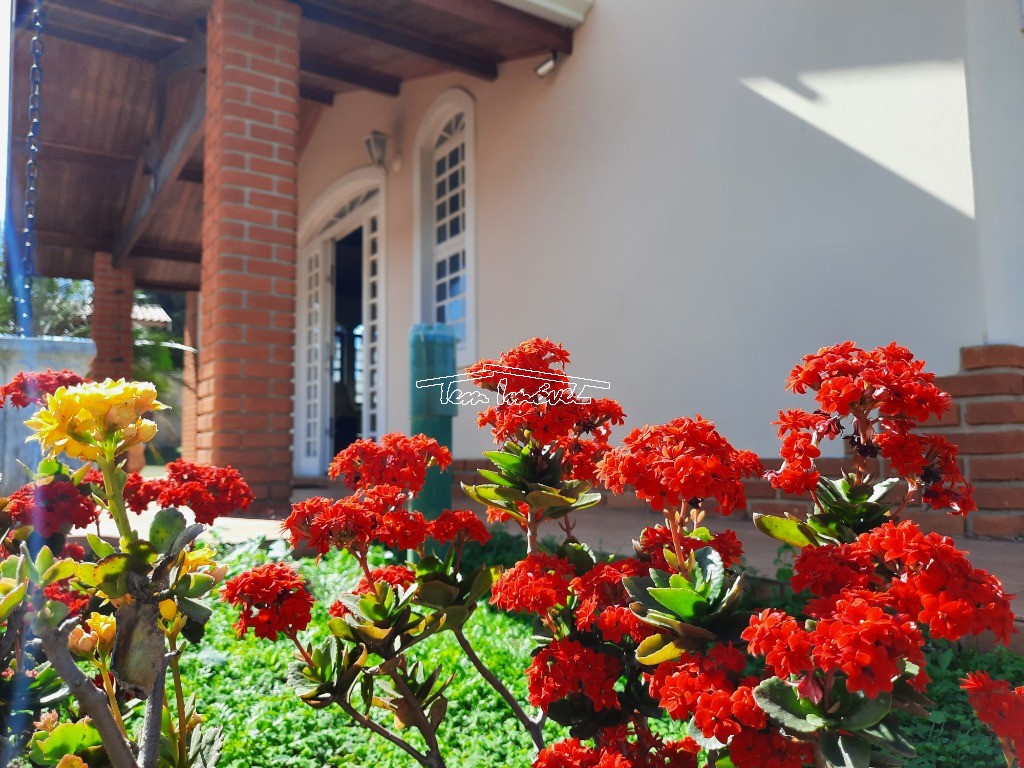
x: 496, y: 477
x: 681, y: 600
x: 62, y: 569
x: 844, y: 751
x: 782, y: 703
x: 511, y: 463
x: 12, y: 600
x: 783, y: 529
x: 99, y: 547
x: 44, y: 560
x: 887, y: 735
x: 712, y: 571
x: 194, y: 610
x: 195, y: 585
x: 65, y: 739
x: 167, y: 525
x: 864, y: 712
x: 658, y: 649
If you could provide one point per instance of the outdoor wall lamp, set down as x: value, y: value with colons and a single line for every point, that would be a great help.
x: 377, y: 148
x: 547, y: 66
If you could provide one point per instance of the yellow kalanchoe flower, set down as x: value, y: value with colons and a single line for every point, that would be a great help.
x: 105, y: 628
x: 86, y: 420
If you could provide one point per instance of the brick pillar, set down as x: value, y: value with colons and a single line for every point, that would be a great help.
x: 987, y: 423
x: 112, y: 299
x: 249, y: 219
x: 190, y: 377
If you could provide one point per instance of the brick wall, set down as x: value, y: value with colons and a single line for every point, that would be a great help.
x: 112, y: 300
x: 986, y: 422
x: 248, y: 270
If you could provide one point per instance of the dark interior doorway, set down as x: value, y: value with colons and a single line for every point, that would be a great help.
x: 346, y: 359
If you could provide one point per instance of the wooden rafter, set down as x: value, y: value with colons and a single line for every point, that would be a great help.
x: 91, y: 158
x: 334, y: 70
x: 507, y: 20
x: 132, y: 20
x: 164, y: 174
x: 470, y: 61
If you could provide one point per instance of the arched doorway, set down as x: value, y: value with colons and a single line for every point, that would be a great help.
x: 339, y: 323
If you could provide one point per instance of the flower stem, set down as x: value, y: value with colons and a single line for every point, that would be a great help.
x: 179, y: 695
x: 305, y: 654
x: 113, y: 485
x: 108, y: 687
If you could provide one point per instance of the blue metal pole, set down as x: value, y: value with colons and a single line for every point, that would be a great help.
x: 432, y: 355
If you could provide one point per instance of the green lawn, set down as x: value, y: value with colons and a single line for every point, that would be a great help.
x: 240, y: 686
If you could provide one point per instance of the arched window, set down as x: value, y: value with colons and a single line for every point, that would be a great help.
x: 445, y: 208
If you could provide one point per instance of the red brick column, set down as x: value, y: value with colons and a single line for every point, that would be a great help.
x: 112, y: 299
x: 987, y: 423
x: 249, y: 220
x: 190, y: 377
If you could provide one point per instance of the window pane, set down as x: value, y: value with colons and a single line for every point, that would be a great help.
x: 453, y: 263
x: 440, y: 167
x: 373, y: 247
x: 454, y: 203
x: 440, y: 211
x: 442, y: 234
x: 373, y: 267
x: 453, y: 180
x: 442, y: 268
x: 457, y: 310
x: 440, y: 189
x: 453, y: 158
x: 455, y: 226
x: 454, y: 286
x: 442, y: 293
x: 440, y: 314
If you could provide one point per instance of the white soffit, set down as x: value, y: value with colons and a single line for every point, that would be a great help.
x: 564, y: 13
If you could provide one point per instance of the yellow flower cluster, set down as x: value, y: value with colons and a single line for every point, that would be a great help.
x: 98, y: 639
x: 84, y: 420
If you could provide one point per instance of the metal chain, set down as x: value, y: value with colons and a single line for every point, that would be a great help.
x: 24, y: 290
x: 35, y: 78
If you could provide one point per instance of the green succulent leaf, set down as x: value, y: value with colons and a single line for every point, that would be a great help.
x: 844, y: 750
x: 99, y: 547
x: 12, y: 600
x: 786, y: 530
x: 864, y: 712
x: 167, y: 525
x: 781, y: 702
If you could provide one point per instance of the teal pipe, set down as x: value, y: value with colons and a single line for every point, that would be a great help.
x: 432, y: 356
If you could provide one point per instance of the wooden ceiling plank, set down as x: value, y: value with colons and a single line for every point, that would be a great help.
x: 182, y: 146
x: 507, y: 20
x: 336, y: 70
x: 161, y: 253
x: 134, y: 20
x: 334, y: 16
x: 91, y: 158
x: 103, y: 43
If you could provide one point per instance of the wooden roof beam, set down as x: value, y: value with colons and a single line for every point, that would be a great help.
x: 73, y: 35
x: 91, y: 158
x: 165, y: 173
x: 507, y: 20
x: 471, y: 62
x: 133, y: 20
x: 335, y: 70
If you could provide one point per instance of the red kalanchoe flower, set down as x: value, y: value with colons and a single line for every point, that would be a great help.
x: 397, y: 460
x: 273, y: 599
x: 343, y: 524
x: 52, y: 507
x: 654, y: 540
x: 398, y: 576
x: 684, y: 461
x: 565, y: 668
x: 1000, y: 707
x: 570, y: 753
x: 768, y: 749
x: 538, y: 402
x: 459, y: 525
x: 602, y: 603
x: 208, y: 491
x: 27, y: 389
x: 785, y: 645
x: 535, y: 585
x: 64, y: 592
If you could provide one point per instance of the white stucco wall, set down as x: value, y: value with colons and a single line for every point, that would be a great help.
x: 702, y: 193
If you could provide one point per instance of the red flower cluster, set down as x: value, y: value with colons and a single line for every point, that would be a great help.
x: 602, y: 603
x: 535, y: 584
x: 888, y: 393
x: 684, y: 461
x: 398, y: 576
x: 538, y: 402
x: 207, y: 490
x: 768, y: 749
x: 63, y: 592
x: 707, y: 688
x: 375, y: 514
x: 52, y: 507
x: 273, y: 599
x: 567, y: 669
x: 648, y: 751
x: 998, y: 706
x: 27, y: 389
x: 655, y: 539
x: 397, y: 460
x: 458, y: 525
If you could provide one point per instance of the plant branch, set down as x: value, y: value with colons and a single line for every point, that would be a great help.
x: 422, y: 722
x: 92, y: 700
x: 372, y: 725
x: 149, y: 749
x: 533, y: 727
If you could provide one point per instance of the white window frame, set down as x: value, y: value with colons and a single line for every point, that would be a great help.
x: 315, y: 232
x: 444, y: 108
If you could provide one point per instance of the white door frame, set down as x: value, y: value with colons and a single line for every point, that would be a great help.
x: 318, y: 235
